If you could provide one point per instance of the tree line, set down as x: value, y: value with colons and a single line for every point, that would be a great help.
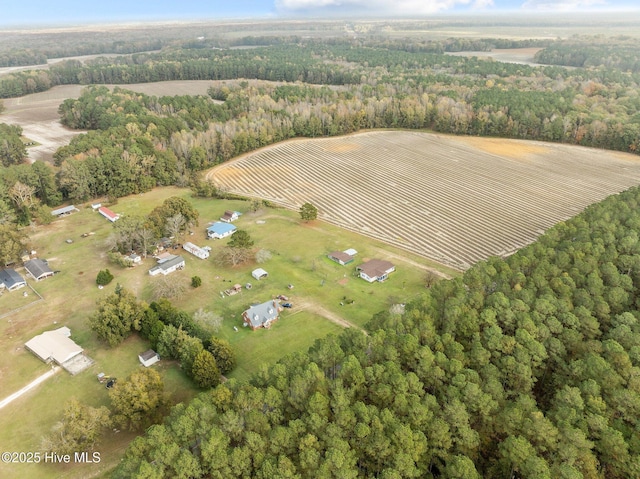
x: 524, y: 367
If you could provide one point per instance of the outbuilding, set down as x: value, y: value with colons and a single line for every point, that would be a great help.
x: 107, y: 213
x: 148, y: 358
x: 259, y: 274
x: 229, y: 216
x: 67, y: 210
x: 340, y: 257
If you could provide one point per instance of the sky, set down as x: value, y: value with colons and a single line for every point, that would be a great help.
x: 48, y: 12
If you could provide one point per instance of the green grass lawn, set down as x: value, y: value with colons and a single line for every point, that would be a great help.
x: 298, y: 257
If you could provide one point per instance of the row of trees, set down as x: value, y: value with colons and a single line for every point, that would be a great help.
x: 173, y: 333
x: 524, y: 367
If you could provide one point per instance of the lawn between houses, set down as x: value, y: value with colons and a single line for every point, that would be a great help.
x: 298, y: 257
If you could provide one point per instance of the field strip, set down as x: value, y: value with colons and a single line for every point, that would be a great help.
x: 455, y: 200
x: 29, y: 386
x: 315, y: 308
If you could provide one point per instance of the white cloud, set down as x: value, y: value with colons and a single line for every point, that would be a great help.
x: 562, y: 5
x: 397, y: 7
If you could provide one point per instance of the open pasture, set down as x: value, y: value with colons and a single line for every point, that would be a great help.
x: 37, y: 114
x: 456, y: 200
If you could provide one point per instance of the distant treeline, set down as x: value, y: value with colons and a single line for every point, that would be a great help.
x: 332, y: 88
x: 621, y: 53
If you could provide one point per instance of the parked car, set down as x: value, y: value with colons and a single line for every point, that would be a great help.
x: 287, y: 305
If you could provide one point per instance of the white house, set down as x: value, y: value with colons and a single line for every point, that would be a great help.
x: 168, y: 265
x: 375, y: 270
x: 219, y: 230
x: 11, y: 279
x: 54, y: 346
x: 148, y: 358
x: 196, y: 250
x: 38, y: 269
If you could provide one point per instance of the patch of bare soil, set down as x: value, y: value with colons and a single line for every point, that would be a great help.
x: 509, y: 149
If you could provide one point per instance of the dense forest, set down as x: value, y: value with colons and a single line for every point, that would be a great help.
x: 333, y: 87
x: 524, y: 367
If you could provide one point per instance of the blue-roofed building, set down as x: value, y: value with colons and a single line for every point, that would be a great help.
x: 219, y: 230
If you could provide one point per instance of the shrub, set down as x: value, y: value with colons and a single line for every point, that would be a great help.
x: 196, y: 281
x: 104, y: 277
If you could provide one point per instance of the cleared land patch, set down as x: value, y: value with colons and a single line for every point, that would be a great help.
x: 452, y: 199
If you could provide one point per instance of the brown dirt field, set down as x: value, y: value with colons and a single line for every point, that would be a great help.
x: 508, y: 55
x: 38, y: 116
x: 497, y: 146
x: 455, y: 200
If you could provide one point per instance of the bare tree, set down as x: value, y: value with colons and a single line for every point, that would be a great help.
x: 168, y: 286
x: 146, y: 237
x: 208, y: 319
x: 263, y: 255
x: 22, y: 194
x: 175, y: 225
x: 233, y: 256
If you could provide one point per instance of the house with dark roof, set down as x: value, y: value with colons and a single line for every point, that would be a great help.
x: 262, y: 315
x: 375, y: 270
x: 168, y: 265
x: 219, y: 230
x: 38, y: 269
x: 11, y: 279
x: 229, y: 216
x: 340, y: 257
x: 148, y: 358
x: 107, y: 213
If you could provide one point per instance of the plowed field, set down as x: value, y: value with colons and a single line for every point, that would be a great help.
x: 456, y: 200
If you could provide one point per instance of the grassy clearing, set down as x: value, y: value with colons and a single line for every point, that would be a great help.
x: 298, y: 257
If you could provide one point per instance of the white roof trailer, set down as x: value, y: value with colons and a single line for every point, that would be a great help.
x: 196, y: 250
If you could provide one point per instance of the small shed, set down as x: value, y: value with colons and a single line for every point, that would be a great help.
x: 229, y: 216
x: 259, y: 274
x: 340, y: 257
x: 148, y: 358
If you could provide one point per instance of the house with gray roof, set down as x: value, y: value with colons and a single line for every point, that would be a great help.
x: 168, y: 265
x: 262, y: 315
x: 11, y: 279
x: 38, y: 269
